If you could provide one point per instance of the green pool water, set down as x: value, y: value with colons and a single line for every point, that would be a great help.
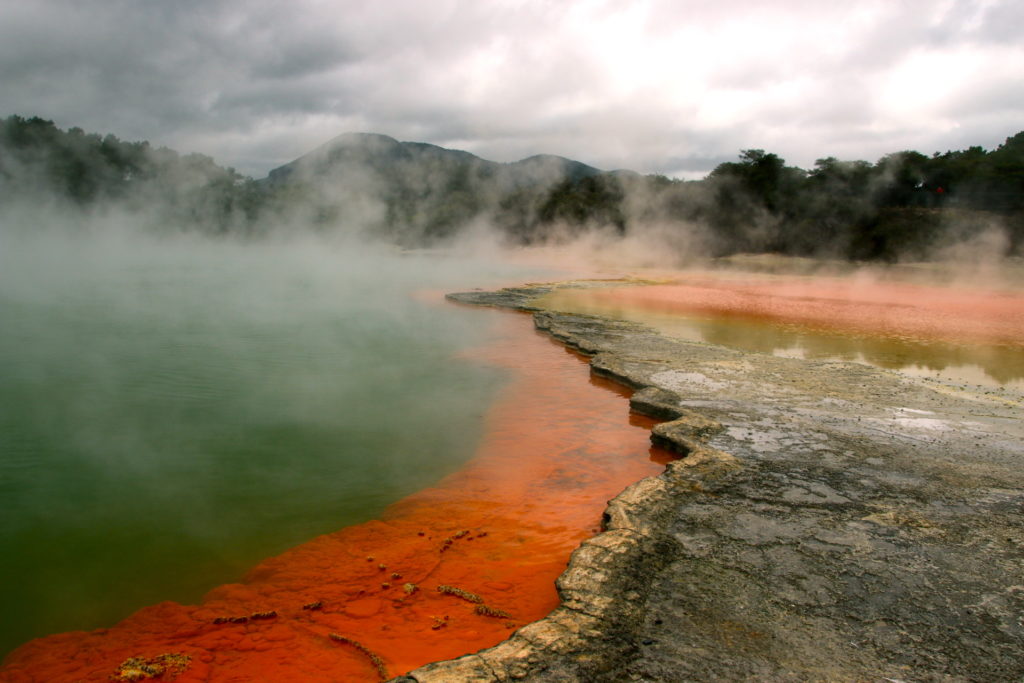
x: 171, y: 412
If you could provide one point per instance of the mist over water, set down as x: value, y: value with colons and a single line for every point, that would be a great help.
x: 174, y: 410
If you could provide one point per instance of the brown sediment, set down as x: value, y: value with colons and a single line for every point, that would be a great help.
x: 378, y: 663
x: 491, y: 612
x: 556, y: 448
x: 459, y: 593
x: 896, y: 309
x: 166, y: 666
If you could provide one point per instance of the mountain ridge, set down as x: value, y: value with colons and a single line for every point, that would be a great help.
x: 905, y: 206
x: 358, y: 145
x: 418, y: 192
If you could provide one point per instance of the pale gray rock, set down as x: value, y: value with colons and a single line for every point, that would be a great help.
x: 829, y: 522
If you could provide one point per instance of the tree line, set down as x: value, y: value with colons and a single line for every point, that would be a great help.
x: 906, y: 205
x: 85, y: 171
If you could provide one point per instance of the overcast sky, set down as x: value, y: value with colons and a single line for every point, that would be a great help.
x: 667, y: 86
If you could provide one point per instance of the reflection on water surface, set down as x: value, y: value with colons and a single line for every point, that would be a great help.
x: 993, y: 365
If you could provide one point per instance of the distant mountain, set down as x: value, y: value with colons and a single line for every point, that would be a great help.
x: 414, y: 192
x: 383, y: 153
x: 548, y: 167
x: 368, y: 151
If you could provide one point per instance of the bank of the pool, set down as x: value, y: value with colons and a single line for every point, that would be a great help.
x: 830, y: 521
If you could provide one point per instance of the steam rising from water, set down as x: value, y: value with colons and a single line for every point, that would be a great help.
x: 172, y: 410
x: 176, y: 407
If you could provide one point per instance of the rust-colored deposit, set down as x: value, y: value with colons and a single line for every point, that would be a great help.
x: 448, y: 571
x: 849, y: 305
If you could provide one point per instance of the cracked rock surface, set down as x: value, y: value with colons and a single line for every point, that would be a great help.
x: 827, y: 522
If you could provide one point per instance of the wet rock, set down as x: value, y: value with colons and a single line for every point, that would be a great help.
x: 656, y: 403
x: 685, y: 434
x: 829, y: 521
x: 518, y: 298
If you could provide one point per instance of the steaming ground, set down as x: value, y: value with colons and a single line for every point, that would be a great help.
x: 173, y: 410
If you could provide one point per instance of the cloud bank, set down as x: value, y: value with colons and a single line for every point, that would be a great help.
x: 655, y: 86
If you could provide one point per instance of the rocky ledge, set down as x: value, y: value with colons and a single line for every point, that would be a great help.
x: 827, y: 522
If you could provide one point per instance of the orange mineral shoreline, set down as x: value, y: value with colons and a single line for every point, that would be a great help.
x: 448, y: 571
x: 846, y: 305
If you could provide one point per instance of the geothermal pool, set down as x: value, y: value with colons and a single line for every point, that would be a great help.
x: 953, y: 332
x: 173, y: 412
x: 449, y: 569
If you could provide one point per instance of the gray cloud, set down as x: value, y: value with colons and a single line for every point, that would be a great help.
x: 657, y: 86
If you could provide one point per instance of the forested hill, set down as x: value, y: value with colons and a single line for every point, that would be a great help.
x: 41, y: 164
x: 417, y: 193
x: 905, y: 205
